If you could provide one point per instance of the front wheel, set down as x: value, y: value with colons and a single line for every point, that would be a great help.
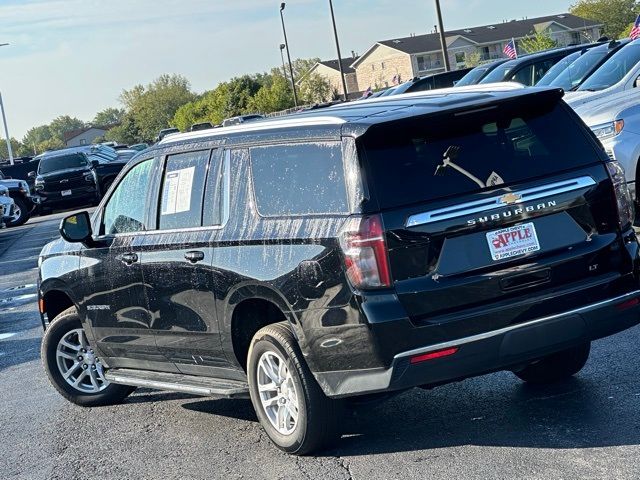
x: 20, y: 213
x: 291, y: 406
x: 73, y: 367
x: 556, y: 367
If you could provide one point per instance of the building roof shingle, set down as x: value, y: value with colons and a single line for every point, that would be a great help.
x: 487, y: 33
x: 346, y: 64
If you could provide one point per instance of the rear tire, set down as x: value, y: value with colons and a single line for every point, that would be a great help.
x: 556, y: 367
x: 65, y: 352
x: 274, y: 352
x: 22, y: 213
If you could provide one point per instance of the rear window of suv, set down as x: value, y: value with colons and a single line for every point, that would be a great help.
x: 62, y: 162
x: 504, y: 144
x: 299, y: 179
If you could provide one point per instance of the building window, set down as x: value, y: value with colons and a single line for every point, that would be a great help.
x: 373, y: 67
x: 421, y: 63
x: 383, y: 65
x: 83, y: 141
x: 460, y: 58
x: 576, y: 38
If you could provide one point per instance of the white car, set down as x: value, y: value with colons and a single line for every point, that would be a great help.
x: 615, y: 120
x: 620, y: 73
x: 7, y: 206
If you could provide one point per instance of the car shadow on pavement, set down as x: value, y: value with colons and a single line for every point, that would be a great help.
x: 240, y: 409
x: 16, y: 352
x: 570, y: 415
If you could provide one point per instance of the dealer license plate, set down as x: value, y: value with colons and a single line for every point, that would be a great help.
x: 66, y: 193
x: 513, y: 241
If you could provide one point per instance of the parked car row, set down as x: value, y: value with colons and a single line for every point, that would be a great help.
x: 600, y: 80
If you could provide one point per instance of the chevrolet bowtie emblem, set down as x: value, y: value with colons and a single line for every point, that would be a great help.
x: 510, y: 198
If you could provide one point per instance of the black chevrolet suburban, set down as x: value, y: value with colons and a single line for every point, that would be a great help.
x: 332, y: 257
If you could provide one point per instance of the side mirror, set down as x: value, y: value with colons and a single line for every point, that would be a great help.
x: 31, y: 175
x: 76, y: 228
x: 95, y: 163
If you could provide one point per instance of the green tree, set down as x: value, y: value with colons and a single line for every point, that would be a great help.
x: 16, y: 147
x: 210, y: 107
x: 241, y: 91
x: 472, y: 59
x: 539, y: 41
x: 153, y: 107
x: 53, y: 143
x: 126, y: 133
x: 315, y: 89
x: 62, y: 124
x: 36, y: 135
x: 301, y: 67
x: 273, y: 97
x: 616, y: 15
x: 108, y: 116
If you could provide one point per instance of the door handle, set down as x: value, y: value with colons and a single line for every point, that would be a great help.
x: 129, y: 258
x: 194, y: 256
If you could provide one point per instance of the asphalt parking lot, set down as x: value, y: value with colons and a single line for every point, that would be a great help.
x: 485, y: 428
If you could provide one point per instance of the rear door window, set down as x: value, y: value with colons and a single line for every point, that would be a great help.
x: 509, y: 143
x: 183, y: 190
x: 299, y: 179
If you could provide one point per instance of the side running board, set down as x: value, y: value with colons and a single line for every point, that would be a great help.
x: 176, y: 382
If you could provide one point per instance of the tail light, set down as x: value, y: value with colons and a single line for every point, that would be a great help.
x: 626, y: 211
x: 365, y: 251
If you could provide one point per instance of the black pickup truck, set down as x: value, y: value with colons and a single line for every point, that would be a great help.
x: 74, y: 177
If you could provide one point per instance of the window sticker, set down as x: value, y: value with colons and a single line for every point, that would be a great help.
x: 494, y: 179
x: 177, y: 191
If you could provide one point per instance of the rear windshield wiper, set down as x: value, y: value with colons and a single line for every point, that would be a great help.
x: 448, y: 158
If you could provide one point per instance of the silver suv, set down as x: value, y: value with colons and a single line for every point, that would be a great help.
x: 615, y: 120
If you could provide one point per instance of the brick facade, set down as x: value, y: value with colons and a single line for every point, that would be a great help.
x: 333, y: 77
x: 380, y: 66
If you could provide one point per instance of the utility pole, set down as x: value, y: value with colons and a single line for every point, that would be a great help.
x: 284, y: 68
x: 443, y: 40
x: 4, y: 119
x: 335, y: 33
x: 6, y: 131
x: 286, y: 44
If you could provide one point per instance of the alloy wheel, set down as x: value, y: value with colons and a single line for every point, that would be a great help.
x: 278, y: 393
x: 78, y: 364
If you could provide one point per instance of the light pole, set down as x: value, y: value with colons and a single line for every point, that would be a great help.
x: 4, y: 120
x: 443, y: 40
x: 335, y: 33
x: 284, y: 68
x: 286, y: 44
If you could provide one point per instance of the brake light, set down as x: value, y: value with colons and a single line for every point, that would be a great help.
x: 365, y: 251
x: 624, y: 202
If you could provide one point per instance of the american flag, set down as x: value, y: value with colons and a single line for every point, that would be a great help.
x: 510, y: 49
x: 635, y: 31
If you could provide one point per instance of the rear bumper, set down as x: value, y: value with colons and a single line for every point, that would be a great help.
x: 501, y: 349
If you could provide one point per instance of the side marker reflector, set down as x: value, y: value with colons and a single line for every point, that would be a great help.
x: 628, y: 304
x: 433, y: 355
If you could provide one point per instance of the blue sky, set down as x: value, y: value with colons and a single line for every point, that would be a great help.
x: 76, y: 56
